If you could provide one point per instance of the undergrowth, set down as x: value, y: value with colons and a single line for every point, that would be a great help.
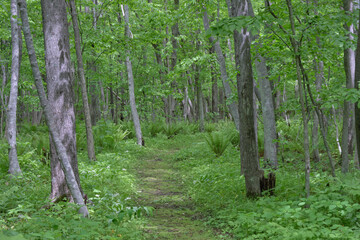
x: 213, y: 181
x: 218, y: 189
x: 109, y: 183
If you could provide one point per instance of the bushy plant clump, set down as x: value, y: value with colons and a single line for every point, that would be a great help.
x: 217, y: 142
x: 107, y: 136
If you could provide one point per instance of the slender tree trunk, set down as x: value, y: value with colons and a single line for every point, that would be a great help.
x: 221, y: 104
x: 104, y: 108
x: 295, y: 46
x: 3, y: 98
x: 214, y: 92
x: 224, y: 77
x: 349, y: 65
x: 14, y: 167
x: 89, y: 134
x: 200, y: 105
x: 174, y: 56
x: 315, y: 138
x: 112, y: 111
x: 248, y: 145
x: 95, y: 113
x: 357, y: 81
x: 60, y: 148
x: 95, y: 110
x: 319, y: 73
x: 134, y: 112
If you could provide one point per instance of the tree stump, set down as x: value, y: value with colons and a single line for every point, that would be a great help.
x: 268, y: 184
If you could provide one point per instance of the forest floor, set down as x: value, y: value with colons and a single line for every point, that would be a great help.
x: 174, y: 215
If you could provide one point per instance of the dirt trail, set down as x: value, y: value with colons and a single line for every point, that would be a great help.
x: 174, y: 216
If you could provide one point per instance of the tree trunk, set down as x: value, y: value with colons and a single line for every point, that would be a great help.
x: 95, y: 112
x: 60, y: 92
x: 134, y: 112
x: 224, y: 77
x: 221, y: 104
x: 267, y: 105
x: 214, y: 92
x: 302, y: 102
x: 200, y: 105
x: 3, y: 98
x: 319, y: 73
x: 357, y: 81
x: 89, y: 134
x: 60, y: 148
x: 248, y: 146
x: 14, y: 167
x: 349, y: 65
x: 112, y: 112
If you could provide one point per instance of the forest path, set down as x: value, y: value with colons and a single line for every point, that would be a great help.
x: 174, y: 216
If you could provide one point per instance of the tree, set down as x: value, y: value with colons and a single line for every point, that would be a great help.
x: 89, y: 134
x: 245, y: 87
x: 357, y: 82
x: 267, y: 106
x: 60, y: 92
x: 14, y: 168
x: 60, y: 148
x: 134, y: 112
x: 224, y: 75
x: 349, y: 66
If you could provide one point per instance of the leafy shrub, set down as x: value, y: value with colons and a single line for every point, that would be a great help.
x: 217, y: 142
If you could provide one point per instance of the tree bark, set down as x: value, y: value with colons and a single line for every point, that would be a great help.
x: 214, y: 91
x: 60, y: 92
x: 267, y: 106
x: 14, y: 167
x: 60, y: 148
x: 135, y: 115
x: 89, y: 134
x: 245, y: 86
x: 349, y: 65
x: 200, y: 105
x: 357, y: 81
x: 319, y: 73
x: 3, y: 97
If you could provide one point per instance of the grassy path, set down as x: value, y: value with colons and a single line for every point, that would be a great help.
x: 161, y: 188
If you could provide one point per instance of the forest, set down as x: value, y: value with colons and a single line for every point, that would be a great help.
x: 179, y: 119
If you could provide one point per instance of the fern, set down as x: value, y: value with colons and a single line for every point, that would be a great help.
x: 217, y: 143
x: 155, y: 128
x: 171, y: 130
